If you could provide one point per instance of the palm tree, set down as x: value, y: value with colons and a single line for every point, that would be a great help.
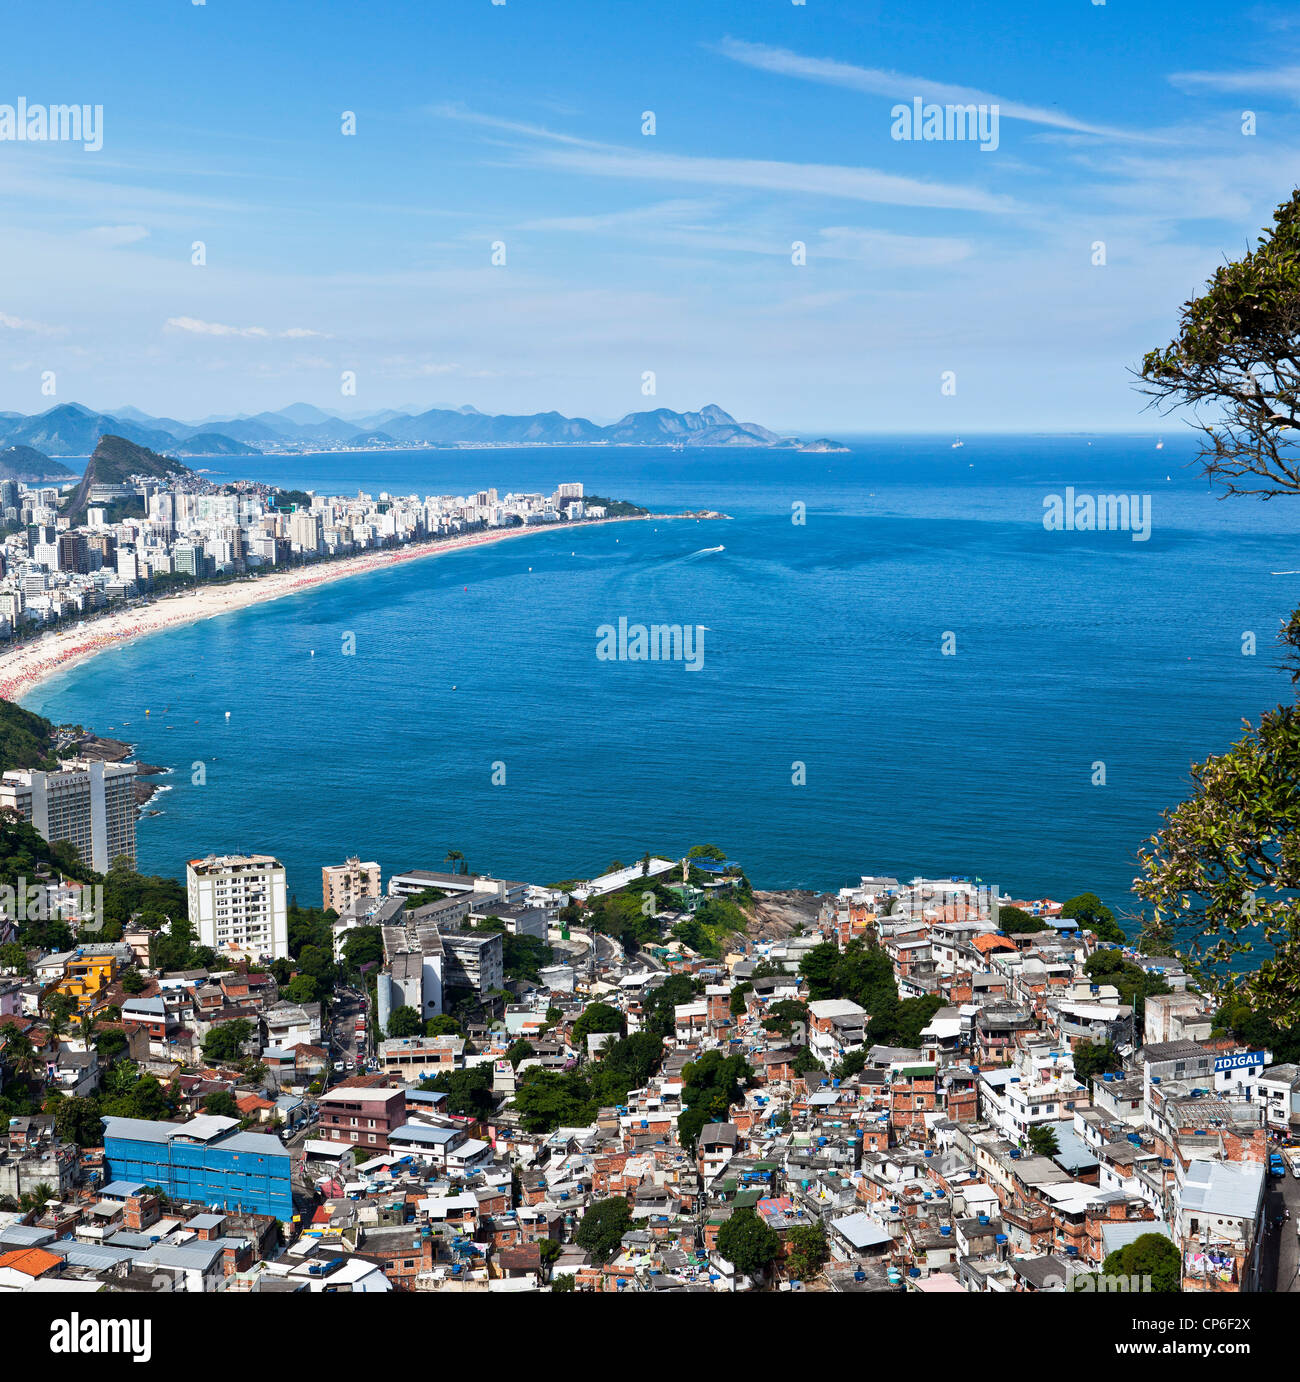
x: 37, y: 1198
x: 18, y: 1053
x: 454, y: 856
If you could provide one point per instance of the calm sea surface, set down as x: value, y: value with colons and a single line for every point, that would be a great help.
x: 823, y: 647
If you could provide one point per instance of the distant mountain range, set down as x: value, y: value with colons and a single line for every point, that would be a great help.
x: 71, y: 430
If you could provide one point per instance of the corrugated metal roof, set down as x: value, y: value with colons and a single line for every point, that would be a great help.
x: 1228, y: 1188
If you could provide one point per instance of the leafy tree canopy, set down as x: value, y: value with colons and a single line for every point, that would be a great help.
x: 748, y: 1243
x: 602, y: 1228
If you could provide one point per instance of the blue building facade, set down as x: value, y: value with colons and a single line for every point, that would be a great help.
x: 205, y: 1161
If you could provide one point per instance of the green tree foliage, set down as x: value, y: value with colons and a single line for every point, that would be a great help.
x: 1015, y: 921
x: 469, y: 1092
x: 1228, y: 861
x: 308, y: 926
x: 710, y: 1086
x: 128, y: 1094
x: 221, y: 1102
x: 1261, y: 1031
x: 148, y: 899
x: 404, y: 1022
x: 910, y: 1019
x: 1235, y: 354
x: 317, y: 963
x: 661, y: 1001
x: 443, y: 1025
x: 747, y: 1243
x: 1135, y: 985
x: 25, y: 739
x: 602, y: 1228
x: 805, y: 1063
x: 781, y: 1017
x: 301, y: 989
x: 624, y: 917
x: 1151, y: 1255
x: 596, y: 1017
x: 178, y: 948
x: 547, y: 1099
x: 624, y: 1065
x: 522, y: 957
x: 1043, y: 1140
x: 1093, y: 915
x: 807, y: 1252
x: 226, y: 1042
x: 363, y: 946
x: 110, y: 1043
x: 864, y: 974
x: 76, y: 1119
x: 133, y: 981
x: 563, y: 1283
x: 13, y: 959
x: 1092, y: 1059
x: 519, y: 1050
x: 853, y: 1064
x: 550, y: 1099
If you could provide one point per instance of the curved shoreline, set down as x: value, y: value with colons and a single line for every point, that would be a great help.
x: 26, y: 666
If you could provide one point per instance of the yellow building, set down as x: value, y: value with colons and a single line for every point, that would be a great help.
x: 87, y: 979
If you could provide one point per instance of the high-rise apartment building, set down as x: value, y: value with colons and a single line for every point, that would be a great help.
x: 91, y: 805
x: 238, y: 904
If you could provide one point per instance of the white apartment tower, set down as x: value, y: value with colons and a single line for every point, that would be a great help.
x: 89, y: 804
x: 238, y: 903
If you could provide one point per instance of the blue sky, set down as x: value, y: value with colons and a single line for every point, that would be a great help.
x: 625, y: 253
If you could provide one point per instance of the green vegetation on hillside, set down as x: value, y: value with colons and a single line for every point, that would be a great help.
x: 614, y: 508
x: 864, y: 975
x: 549, y: 1099
x: 24, y: 739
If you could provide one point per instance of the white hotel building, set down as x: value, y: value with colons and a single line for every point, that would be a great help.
x: 238, y: 904
x: 89, y: 804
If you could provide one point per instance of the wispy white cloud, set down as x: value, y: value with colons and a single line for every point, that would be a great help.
x: 1260, y: 81
x: 117, y: 235
x: 884, y: 249
x: 560, y: 151
x: 195, y: 326
x: 898, y: 86
x: 11, y: 323
x: 771, y: 175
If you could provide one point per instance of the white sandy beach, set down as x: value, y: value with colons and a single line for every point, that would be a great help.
x: 26, y: 665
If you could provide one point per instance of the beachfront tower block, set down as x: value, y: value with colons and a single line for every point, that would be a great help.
x: 89, y: 804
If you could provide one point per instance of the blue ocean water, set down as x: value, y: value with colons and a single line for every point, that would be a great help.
x: 823, y: 647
